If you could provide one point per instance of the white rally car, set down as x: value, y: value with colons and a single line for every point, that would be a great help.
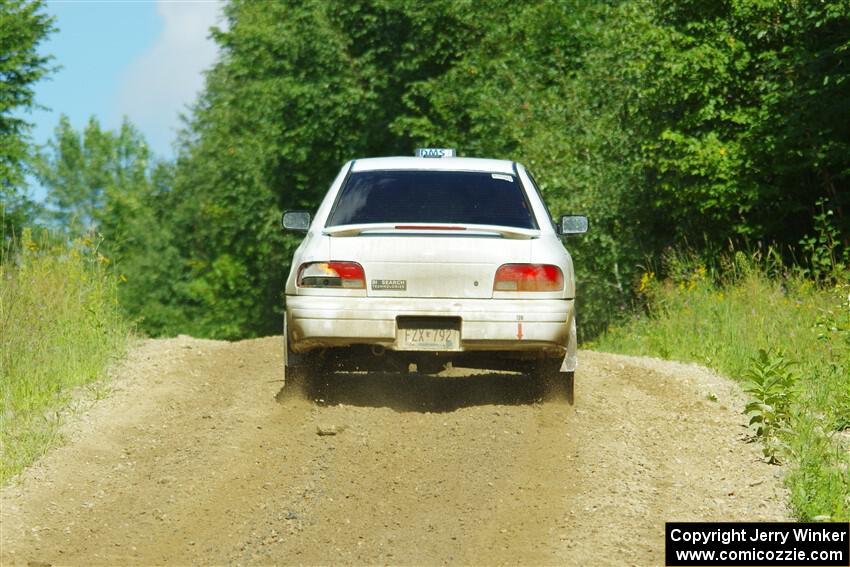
x: 429, y: 260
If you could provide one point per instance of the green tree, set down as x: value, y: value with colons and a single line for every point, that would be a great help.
x: 105, y: 183
x: 538, y: 86
x: 739, y: 109
x: 299, y: 89
x: 85, y: 173
x: 23, y: 26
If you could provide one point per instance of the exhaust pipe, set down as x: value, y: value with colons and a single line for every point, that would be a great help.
x: 378, y: 350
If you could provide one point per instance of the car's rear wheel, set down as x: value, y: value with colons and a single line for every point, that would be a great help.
x: 554, y: 383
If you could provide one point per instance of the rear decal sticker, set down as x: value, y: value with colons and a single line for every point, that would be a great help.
x: 393, y: 285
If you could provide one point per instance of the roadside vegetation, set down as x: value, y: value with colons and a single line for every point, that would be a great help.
x: 783, y: 332
x: 60, y: 328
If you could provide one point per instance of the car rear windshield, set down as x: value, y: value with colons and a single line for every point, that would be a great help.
x: 457, y: 197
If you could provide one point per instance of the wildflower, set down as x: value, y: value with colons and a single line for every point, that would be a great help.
x: 645, y: 279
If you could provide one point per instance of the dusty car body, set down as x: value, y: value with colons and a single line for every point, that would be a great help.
x: 427, y: 261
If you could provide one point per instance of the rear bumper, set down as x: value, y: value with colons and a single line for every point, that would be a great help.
x: 486, y: 324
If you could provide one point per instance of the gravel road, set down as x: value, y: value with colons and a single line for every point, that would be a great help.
x: 193, y: 460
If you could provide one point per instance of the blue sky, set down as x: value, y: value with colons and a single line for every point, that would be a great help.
x: 140, y: 59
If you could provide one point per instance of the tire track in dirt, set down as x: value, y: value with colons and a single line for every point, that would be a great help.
x: 193, y: 461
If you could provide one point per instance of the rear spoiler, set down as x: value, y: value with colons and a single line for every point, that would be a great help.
x: 432, y: 228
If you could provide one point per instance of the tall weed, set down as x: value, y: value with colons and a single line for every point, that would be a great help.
x: 60, y: 326
x: 770, y: 382
x: 825, y: 256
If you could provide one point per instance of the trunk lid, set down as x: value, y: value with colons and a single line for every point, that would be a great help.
x: 441, y: 265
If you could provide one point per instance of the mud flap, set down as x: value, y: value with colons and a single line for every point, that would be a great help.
x: 571, y: 359
x: 285, y: 342
x: 290, y: 359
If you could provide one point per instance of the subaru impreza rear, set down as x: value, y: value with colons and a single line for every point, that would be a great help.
x: 430, y: 261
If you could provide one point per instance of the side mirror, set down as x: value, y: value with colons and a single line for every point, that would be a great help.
x: 573, y: 224
x: 298, y: 221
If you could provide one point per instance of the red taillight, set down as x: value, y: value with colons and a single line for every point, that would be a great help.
x: 528, y: 277
x: 348, y: 275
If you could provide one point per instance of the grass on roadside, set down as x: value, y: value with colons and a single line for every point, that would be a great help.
x: 785, y: 337
x: 60, y: 327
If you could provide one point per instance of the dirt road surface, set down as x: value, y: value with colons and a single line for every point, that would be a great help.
x: 192, y: 460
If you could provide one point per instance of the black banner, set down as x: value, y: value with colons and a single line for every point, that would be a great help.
x: 756, y: 543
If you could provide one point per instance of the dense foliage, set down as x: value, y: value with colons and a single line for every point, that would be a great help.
x: 299, y: 90
x: 23, y: 25
x: 666, y: 122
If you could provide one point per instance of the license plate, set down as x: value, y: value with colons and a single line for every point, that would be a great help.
x: 429, y: 339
